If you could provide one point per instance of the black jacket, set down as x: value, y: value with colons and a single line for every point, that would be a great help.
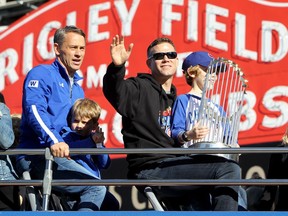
x: 143, y: 104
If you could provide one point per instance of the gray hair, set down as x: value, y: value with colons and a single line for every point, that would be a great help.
x: 61, y: 32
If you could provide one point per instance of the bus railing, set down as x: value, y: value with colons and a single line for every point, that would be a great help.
x: 138, y: 182
x: 183, y: 151
x: 166, y: 182
x: 48, y: 182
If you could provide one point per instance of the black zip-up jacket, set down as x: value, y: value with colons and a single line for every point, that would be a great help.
x: 143, y: 104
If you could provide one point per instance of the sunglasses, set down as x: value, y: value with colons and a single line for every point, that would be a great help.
x: 160, y: 56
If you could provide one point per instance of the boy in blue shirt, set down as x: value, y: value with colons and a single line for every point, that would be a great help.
x: 187, y: 131
x: 83, y: 126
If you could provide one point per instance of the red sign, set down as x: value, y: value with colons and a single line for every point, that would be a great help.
x: 252, y: 33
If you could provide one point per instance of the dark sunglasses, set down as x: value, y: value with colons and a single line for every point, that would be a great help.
x: 160, y: 56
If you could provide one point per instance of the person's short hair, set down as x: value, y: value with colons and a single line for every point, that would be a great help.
x: 158, y: 41
x: 2, y: 99
x: 61, y: 32
x: 191, y: 70
x: 86, y: 108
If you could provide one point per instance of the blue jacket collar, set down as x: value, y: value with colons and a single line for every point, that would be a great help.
x: 63, y: 73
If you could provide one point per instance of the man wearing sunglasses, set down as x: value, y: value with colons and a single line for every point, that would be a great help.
x: 145, y: 103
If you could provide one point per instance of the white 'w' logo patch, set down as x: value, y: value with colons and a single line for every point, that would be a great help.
x: 33, y: 83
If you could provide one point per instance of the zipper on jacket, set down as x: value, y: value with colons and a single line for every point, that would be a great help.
x: 71, y: 79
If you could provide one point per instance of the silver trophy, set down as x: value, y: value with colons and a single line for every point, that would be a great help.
x: 221, y: 105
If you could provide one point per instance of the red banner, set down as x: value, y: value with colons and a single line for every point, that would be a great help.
x: 252, y: 33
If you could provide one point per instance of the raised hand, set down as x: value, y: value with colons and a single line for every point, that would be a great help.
x: 118, y: 52
x: 98, y: 136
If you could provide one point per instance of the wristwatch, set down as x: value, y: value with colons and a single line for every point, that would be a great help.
x: 185, y: 137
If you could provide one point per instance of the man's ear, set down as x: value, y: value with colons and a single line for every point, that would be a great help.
x: 148, y: 63
x: 56, y: 49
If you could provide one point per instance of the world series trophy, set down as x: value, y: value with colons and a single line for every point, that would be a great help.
x: 220, y: 107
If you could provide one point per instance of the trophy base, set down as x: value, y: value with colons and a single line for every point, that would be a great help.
x: 234, y: 157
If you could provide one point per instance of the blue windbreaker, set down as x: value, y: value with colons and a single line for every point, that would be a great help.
x: 47, y: 99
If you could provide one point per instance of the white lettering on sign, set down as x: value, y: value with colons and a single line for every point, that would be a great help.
x: 71, y: 18
x: 192, y: 27
x: 248, y: 112
x: 95, y: 21
x: 274, y: 105
x: 212, y: 26
x: 45, y: 45
x: 11, y: 56
x: 255, y: 170
x: 28, y: 50
x: 135, y: 201
x: 116, y: 127
x: 95, y: 78
x: 116, y: 194
x: 126, y: 16
x: 168, y: 15
x: 268, y: 33
x: 240, y: 38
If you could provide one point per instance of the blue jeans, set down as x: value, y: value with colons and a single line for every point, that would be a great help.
x: 91, y: 197
x: 214, y: 197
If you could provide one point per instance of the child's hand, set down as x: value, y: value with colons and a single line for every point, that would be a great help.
x: 197, y: 132
x: 98, y: 136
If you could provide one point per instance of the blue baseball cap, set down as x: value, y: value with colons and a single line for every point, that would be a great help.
x: 197, y: 58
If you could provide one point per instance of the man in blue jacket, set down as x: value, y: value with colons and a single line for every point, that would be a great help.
x: 49, y: 91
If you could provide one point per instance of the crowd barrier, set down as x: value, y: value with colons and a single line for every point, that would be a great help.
x: 48, y: 182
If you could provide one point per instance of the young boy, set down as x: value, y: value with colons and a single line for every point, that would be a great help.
x: 83, y: 123
x: 186, y: 131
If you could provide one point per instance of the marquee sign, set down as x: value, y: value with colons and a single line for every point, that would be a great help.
x: 252, y: 33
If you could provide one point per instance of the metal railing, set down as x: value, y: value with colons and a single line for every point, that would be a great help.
x: 48, y: 182
x: 183, y: 151
x: 166, y: 182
